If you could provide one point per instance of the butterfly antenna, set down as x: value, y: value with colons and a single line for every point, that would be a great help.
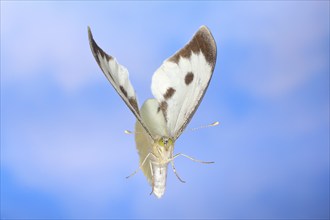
x: 206, y: 126
x: 131, y: 132
x: 140, y: 167
x: 191, y: 158
x: 128, y: 132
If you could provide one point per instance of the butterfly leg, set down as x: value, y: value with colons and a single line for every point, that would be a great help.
x: 193, y: 159
x: 174, y: 170
x: 140, y: 167
x: 152, y: 177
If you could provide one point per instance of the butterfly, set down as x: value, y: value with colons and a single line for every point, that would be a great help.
x: 178, y: 86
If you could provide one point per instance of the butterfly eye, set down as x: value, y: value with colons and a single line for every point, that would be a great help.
x: 161, y: 142
x: 168, y: 142
x: 165, y: 142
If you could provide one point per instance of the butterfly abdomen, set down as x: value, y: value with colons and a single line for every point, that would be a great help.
x: 159, y: 179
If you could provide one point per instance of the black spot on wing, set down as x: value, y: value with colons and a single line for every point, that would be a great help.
x: 123, y: 91
x: 132, y: 101
x: 169, y: 93
x: 189, y: 78
x: 163, y: 106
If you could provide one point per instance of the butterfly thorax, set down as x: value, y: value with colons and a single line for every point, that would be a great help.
x: 163, y: 150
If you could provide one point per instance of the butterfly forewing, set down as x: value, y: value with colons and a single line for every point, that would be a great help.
x: 181, y: 81
x: 118, y: 77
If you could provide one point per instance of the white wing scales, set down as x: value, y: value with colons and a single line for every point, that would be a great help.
x: 180, y: 83
x: 118, y: 77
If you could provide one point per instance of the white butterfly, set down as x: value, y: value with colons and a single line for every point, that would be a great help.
x: 178, y: 87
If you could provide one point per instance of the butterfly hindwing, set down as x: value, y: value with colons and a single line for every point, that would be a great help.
x: 181, y: 81
x: 118, y: 77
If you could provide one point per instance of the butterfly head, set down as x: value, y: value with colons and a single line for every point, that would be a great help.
x: 164, y: 148
x: 165, y: 142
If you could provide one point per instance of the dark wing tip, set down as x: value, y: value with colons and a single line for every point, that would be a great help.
x: 90, y: 36
x: 92, y: 43
x: 95, y: 48
x: 202, y: 41
x: 207, y: 44
x: 205, y: 31
x: 204, y: 28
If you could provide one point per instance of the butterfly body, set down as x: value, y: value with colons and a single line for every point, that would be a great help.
x: 178, y: 86
x: 159, y: 179
x: 154, y: 154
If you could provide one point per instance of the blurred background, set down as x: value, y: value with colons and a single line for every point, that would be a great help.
x: 64, y: 153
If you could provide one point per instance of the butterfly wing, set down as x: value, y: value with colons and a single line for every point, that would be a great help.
x: 181, y: 81
x: 118, y: 77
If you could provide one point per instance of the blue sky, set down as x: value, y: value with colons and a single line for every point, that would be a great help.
x: 63, y: 150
